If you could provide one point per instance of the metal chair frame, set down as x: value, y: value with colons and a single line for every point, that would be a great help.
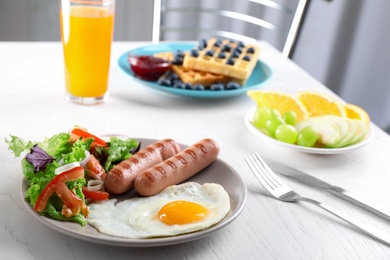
x: 161, y: 9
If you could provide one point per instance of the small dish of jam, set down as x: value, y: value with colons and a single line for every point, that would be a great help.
x: 148, y: 67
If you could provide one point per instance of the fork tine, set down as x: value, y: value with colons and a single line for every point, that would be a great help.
x: 268, y: 172
x: 258, y: 169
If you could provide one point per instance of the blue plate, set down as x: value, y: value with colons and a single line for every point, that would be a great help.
x: 261, y: 73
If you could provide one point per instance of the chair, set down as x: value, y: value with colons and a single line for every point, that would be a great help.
x: 292, y: 16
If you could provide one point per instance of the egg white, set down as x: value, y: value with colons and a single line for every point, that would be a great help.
x: 137, y: 217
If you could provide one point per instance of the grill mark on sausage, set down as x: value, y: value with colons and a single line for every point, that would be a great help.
x: 126, y: 164
x: 192, y: 154
x: 149, y: 176
x: 161, y: 147
x: 133, y: 159
x: 150, y: 150
x: 182, y: 160
x: 172, y: 165
x: 161, y: 171
x: 212, y: 142
x: 114, y: 171
x: 202, y: 148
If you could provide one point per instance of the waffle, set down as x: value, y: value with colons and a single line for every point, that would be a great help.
x: 193, y: 76
x: 206, y: 58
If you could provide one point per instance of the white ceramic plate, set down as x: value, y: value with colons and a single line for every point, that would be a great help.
x: 218, y: 172
x: 266, y: 138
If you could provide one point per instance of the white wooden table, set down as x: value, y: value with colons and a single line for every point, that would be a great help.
x: 32, y: 106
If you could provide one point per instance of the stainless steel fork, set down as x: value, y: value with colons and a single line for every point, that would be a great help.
x: 282, y: 192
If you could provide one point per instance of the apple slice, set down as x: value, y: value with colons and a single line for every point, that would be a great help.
x: 361, y: 131
x: 346, y: 129
x: 351, y: 133
x: 328, y: 131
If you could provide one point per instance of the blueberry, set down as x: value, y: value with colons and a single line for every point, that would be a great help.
x: 250, y: 50
x: 194, y: 53
x: 173, y: 76
x: 175, y: 81
x: 238, y: 49
x: 232, y: 85
x: 226, y: 47
x: 202, y: 44
x: 221, y: 55
x: 164, y: 82
x: 179, y: 85
x: 177, y: 60
x: 210, y: 53
x: 187, y: 85
x: 241, y: 44
x: 230, y: 61
x: 235, y: 54
x: 247, y: 58
x: 217, y: 86
x: 179, y: 53
x: 217, y: 43
x: 198, y: 87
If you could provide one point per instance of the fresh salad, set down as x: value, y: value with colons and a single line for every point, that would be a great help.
x: 66, y: 171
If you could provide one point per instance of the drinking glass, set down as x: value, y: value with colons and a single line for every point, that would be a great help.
x: 87, y: 28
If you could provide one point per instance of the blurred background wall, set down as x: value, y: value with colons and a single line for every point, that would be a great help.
x: 344, y: 43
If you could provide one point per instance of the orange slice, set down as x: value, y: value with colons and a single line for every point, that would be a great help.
x: 356, y: 112
x: 320, y: 104
x: 280, y: 101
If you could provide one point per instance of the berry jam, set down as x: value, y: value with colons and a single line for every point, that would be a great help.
x: 148, y: 67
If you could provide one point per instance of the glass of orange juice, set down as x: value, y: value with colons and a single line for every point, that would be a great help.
x: 87, y: 28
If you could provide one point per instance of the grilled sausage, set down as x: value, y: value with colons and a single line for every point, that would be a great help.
x: 177, y: 168
x: 121, y: 178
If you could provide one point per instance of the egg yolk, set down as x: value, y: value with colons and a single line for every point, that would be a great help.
x: 181, y: 212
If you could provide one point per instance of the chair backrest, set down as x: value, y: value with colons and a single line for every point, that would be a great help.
x: 234, y: 19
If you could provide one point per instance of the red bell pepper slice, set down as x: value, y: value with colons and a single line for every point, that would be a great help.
x: 72, y: 204
x: 76, y: 133
x: 94, y: 170
x: 95, y: 194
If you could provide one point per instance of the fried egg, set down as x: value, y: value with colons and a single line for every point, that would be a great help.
x: 178, y: 209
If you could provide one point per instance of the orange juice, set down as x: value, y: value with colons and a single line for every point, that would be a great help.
x: 86, y: 33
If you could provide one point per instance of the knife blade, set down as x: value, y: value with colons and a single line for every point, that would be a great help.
x: 312, y: 181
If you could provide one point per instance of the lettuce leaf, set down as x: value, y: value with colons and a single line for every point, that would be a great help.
x: 18, y: 145
x: 119, y: 150
x: 55, y: 146
x: 77, y: 151
x: 54, y: 213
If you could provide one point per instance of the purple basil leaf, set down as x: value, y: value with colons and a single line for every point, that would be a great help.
x: 39, y: 158
x: 136, y: 149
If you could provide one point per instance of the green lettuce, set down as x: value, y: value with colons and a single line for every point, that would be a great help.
x: 119, y: 150
x: 77, y: 151
x: 61, y: 149
x: 18, y: 145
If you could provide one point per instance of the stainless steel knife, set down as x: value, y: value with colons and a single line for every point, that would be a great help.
x: 309, y: 180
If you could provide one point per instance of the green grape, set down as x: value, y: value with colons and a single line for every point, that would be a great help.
x: 307, y: 137
x: 286, y: 133
x: 272, y: 123
x: 290, y: 117
x: 261, y: 116
x: 275, y: 112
